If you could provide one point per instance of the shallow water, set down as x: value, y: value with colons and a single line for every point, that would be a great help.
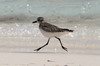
x: 25, y: 37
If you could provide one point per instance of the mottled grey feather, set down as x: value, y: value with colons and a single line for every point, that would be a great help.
x: 52, y: 28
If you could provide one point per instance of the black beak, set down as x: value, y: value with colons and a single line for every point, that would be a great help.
x: 34, y: 22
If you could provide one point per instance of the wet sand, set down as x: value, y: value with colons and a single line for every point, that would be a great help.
x: 48, y: 59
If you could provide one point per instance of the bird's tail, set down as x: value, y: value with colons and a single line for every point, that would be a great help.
x: 68, y: 30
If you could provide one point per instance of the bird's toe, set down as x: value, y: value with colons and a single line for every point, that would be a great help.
x: 37, y: 49
x: 65, y: 49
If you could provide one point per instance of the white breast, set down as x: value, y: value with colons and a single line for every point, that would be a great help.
x: 53, y: 34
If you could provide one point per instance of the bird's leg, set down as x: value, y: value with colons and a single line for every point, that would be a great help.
x: 42, y: 46
x: 61, y: 44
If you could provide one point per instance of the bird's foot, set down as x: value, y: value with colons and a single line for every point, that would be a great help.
x: 65, y: 48
x: 37, y: 49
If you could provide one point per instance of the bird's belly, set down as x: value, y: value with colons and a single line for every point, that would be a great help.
x: 52, y: 34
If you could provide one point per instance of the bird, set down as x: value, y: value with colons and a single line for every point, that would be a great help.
x: 51, y: 31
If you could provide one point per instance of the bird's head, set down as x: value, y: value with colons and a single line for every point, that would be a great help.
x: 39, y: 20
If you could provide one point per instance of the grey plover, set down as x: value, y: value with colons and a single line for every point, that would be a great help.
x: 51, y: 31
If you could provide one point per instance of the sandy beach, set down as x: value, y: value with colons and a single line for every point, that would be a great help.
x: 19, y: 37
x: 48, y: 59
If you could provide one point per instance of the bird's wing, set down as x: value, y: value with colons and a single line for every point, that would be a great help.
x: 50, y: 28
